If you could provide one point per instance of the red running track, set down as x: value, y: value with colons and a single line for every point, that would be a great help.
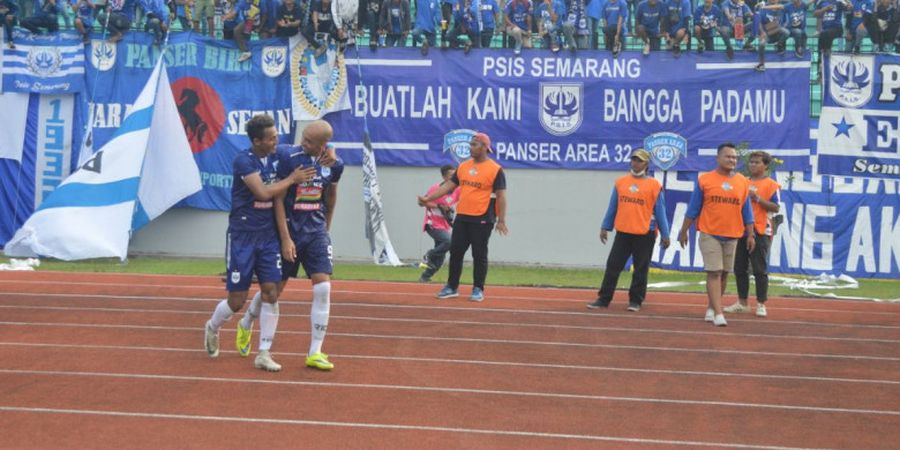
x: 115, y: 360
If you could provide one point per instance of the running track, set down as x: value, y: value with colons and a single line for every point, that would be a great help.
x: 116, y: 361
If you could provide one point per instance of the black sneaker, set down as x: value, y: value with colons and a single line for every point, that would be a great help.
x: 701, y: 46
x: 468, y: 47
x: 425, y: 47
x: 729, y: 52
x: 760, y: 67
x: 799, y: 52
x: 676, y: 50
x: 598, y: 304
x: 634, y: 307
x: 779, y: 50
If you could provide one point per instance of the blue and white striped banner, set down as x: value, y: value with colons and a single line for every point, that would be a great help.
x: 44, y: 63
x: 143, y: 170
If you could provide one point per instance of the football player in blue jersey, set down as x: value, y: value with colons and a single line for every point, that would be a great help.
x: 303, y: 217
x: 252, y: 245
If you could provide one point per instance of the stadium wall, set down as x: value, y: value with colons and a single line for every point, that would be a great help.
x: 554, y: 219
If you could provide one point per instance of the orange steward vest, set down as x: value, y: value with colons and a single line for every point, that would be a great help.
x: 476, y: 185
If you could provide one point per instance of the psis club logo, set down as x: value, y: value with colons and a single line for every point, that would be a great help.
x: 850, y: 84
x: 201, y: 111
x: 561, y: 107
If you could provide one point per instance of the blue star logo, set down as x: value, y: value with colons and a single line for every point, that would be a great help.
x: 843, y: 128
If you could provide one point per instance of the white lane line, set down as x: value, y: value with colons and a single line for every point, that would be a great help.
x: 474, y: 362
x: 388, y: 426
x: 481, y: 341
x: 451, y: 390
x: 580, y: 313
x: 400, y: 284
x: 555, y: 326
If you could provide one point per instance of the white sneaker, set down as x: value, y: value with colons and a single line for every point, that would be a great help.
x: 244, y: 56
x: 710, y: 315
x: 719, y: 321
x: 737, y: 308
x: 646, y: 49
x: 211, y: 341
x: 760, y: 310
x: 264, y: 361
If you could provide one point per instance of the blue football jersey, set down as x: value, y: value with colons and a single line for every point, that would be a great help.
x: 305, y: 202
x: 248, y: 213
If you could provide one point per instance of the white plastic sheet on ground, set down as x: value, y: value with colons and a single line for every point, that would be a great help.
x: 812, y: 286
x: 21, y: 264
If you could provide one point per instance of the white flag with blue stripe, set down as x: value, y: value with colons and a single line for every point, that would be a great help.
x: 44, y: 63
x: 142, y: 171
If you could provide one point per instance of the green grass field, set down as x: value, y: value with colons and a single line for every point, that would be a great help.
x: 498, y: 275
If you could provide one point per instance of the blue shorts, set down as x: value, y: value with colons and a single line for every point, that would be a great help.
x: 313, y: 252
x: 673, y: 30
x: 249, y: 252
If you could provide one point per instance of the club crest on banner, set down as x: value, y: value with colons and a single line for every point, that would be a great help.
x: 851, y: 79
x: 44, y: 61
x: 665, y: 149
x: 318, y: 84
x: 274, y: 60
x: 457, y: 143
x: 103, y: 55
x: 561, y: 107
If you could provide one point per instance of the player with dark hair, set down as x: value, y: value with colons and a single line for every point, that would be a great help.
x: 252, y: 246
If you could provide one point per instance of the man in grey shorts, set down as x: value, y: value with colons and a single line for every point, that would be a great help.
x: 720, y: 204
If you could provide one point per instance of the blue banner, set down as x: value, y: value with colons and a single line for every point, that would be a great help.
x: 44, y: 63
x: 215, y: 94
x: 859, y: 133
x: 573, y: 111
x: 831, y: 225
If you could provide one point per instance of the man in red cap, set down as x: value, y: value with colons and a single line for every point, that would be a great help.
x: 482, y: 204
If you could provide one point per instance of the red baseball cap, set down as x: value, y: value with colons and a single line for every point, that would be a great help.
x: 484, y: 139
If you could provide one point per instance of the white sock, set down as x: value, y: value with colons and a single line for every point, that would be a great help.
x: 221, y: 315
x: 268, y: 323
x: 318, y: 315
x: 253, y: 311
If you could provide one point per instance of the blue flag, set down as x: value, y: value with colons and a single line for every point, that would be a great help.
x: 143, y: 170
x: 44, y: 63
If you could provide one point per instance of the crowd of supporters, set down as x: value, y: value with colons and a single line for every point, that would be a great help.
x: 551, y: 24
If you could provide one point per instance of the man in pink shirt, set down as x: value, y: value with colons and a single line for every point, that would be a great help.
x: 438, y: 218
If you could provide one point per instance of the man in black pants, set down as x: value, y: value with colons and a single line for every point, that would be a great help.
x: 636, y: 208
x: 482, y: 203
x: 764, y: 201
